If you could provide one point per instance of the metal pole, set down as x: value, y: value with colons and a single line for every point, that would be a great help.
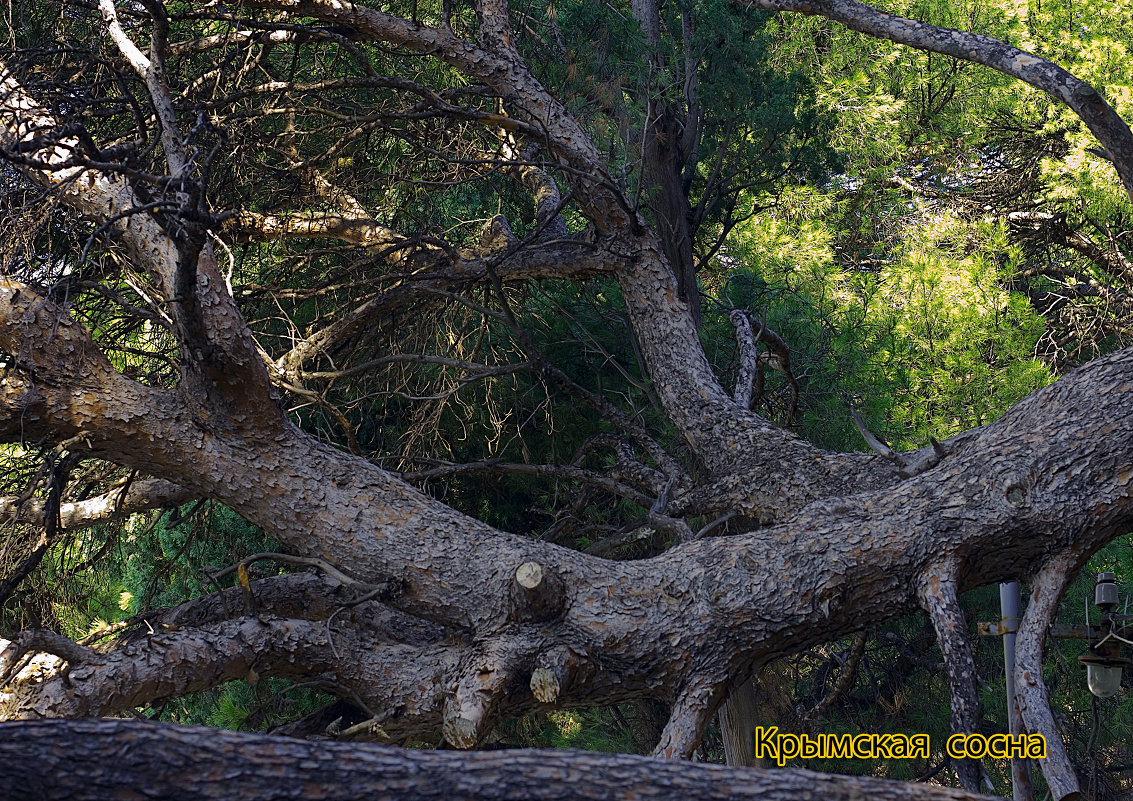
x: 1021, y: 789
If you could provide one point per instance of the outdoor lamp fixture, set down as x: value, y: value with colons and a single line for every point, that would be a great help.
x: 1104, y: 662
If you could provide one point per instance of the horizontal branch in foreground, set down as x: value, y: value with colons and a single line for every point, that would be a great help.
x: 108, y: 759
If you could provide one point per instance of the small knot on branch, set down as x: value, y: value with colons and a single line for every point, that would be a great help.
x: 497, y: 236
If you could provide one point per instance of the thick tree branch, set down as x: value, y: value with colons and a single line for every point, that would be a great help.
x: 85, y: 760
x: 938, y: 596
x: 357, y: 229
x: 62, y: 385
x: 170, y: 663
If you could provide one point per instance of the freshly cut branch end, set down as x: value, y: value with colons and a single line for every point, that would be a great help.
x: 545, y: 685
x: 537, y: 593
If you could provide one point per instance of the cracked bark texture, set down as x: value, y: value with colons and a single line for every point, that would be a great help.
x: 439, y: 624
x: 194, y: 763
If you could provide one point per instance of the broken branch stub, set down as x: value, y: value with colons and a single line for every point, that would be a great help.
x: 537, y: 594
x: 556, y: 670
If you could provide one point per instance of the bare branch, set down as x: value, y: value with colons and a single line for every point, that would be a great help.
x: 439, y: 277
x: 691, y: 712
x: 845, y: 681
x: 748, y: 357
x: 116, y: 504
x: 874, y: 443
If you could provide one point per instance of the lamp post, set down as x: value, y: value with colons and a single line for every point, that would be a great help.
x: 1104, y: 661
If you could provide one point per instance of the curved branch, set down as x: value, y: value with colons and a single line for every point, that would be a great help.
x: 357, y: 229
x: 34, y: 641
x: 691, y: 712
x: 846, y: 677
x: 172, y: 663
x: 1046, y: 226
x: 1083, y: 99
x: 224, y: 372
x: 1030, y: 689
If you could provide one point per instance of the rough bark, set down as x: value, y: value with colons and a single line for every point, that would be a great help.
x: 107, y: 760
x: 939, y: 598
x: 737, y: 725
x: 1030, y: 689
x: 171, y: 663
x: 709, y: 608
